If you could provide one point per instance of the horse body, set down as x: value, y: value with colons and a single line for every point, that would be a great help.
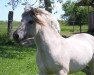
x: 62, y: 54
x: 55, y: 54
x: 78, y: 53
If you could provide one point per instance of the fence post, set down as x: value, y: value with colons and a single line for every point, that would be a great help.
x: 80, y: 28
x: 10, y: 20
x: 73, y: 23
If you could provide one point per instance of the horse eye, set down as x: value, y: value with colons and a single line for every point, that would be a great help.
x: 31, y: 22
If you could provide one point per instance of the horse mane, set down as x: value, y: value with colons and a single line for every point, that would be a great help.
x: 33, y: 12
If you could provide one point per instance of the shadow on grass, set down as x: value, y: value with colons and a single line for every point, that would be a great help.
x: 10, y: 49
x: 5, y: 54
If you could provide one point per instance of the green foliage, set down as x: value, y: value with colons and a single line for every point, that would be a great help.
x: 67, y: 30
x: 75, y: 13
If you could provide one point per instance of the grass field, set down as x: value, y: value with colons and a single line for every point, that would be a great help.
x: 20, y: 60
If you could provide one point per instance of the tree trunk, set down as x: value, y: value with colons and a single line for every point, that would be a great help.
x: 48, y: 6
x: 10, y: 19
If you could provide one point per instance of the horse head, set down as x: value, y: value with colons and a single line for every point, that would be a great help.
x: 34, y: 18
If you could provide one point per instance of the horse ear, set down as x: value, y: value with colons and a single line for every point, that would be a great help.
x: 27, y: 8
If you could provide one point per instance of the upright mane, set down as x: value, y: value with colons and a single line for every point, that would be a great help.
x: 42, y: 16
x: 33, y: 12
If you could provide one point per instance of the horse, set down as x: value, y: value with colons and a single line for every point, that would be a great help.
x: 55, y: 54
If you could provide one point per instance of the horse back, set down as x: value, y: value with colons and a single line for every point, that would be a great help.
x: 85, y: 36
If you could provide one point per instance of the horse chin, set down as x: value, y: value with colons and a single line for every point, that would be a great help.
x: 26, y: 42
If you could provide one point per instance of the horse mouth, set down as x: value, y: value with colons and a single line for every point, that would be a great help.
x: 25, y: 41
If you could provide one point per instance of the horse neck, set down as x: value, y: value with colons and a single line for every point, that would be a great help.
x: 47, y: 39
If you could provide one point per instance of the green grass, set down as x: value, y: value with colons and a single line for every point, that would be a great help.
x: 17, y: 61
x: 20, y: 60
x: 68, y: 30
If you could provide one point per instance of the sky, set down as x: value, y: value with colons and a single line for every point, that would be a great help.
x: 20, y: 9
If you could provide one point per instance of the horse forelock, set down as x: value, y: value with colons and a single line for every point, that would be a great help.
x: 34, y: 12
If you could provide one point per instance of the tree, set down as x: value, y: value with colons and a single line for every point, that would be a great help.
x: 75, y: 13
x: 86, y: 2
x: 48, y: 4
x: 13, y: 3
